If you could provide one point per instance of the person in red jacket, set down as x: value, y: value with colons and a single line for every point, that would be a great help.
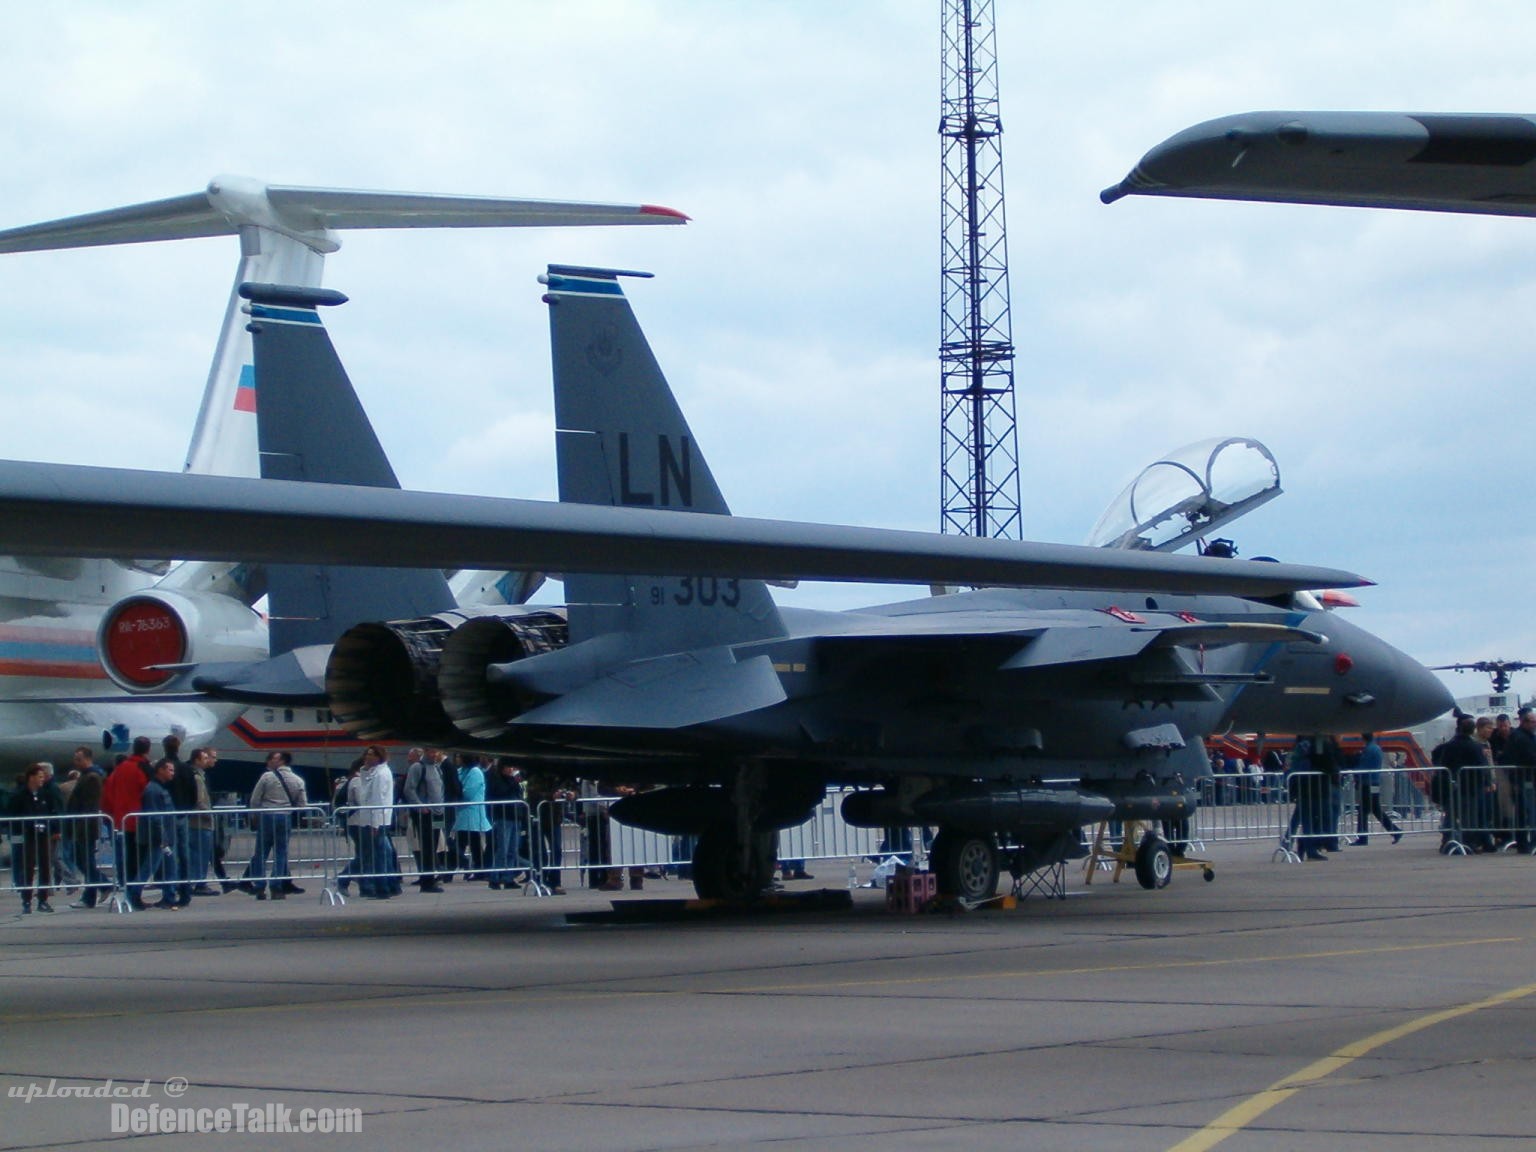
x: 122, y: 798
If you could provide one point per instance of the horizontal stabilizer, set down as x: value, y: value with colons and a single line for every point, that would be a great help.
x: 294, y: 678
x: 177, y: 218
x: 667, y: 693
x: 230, y: 203
x: 78, y: 510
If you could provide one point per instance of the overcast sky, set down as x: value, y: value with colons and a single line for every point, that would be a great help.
x: 1383, y: 357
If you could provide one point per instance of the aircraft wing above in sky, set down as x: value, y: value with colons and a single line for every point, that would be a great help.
x: 76, y: 510
x: 308, y: 214
x: 1424, y: 161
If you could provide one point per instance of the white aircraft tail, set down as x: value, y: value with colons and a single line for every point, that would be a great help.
x: 285, y: 234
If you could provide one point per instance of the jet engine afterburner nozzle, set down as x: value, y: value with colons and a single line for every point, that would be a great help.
x: 475, y: 705
x: 381, y: 680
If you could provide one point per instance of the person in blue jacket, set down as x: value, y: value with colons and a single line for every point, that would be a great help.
x: 470, y: 822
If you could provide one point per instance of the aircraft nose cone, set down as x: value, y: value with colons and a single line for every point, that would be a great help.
x: 1420, y: 695
x: 1397, y: 691
x: 1382, y: 687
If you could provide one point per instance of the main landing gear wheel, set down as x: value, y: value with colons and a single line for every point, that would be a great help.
x: 965, y: 864
x: 718, y: 873
x: 1154, y: 863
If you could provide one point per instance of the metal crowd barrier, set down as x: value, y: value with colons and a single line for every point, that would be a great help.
x: 533, y: 847
x: 53, y: 854
x: 170, y: 852
x: 1473, y: 809
x: 1487, y: 809
x: 382, y: 847
x: 166, y: 857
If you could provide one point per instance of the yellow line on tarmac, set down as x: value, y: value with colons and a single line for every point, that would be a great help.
x: 1238, y: 1117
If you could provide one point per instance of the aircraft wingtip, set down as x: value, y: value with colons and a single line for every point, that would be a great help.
x: 658, y: 210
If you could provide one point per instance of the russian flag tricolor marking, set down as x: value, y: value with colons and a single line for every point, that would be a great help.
x: 245, y: 389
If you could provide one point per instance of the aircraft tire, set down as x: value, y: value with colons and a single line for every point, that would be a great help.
x: 717, y: 872
x: 965, y: 864
x: 1154, y: 863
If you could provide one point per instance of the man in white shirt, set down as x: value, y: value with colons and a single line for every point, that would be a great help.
x: 277, y: 794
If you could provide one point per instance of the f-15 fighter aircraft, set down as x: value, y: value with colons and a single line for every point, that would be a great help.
x: 1079, y: 687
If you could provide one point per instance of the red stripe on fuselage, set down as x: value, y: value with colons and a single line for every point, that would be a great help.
x: 46, y: 635
x: 53, y: 670
x: 295, y: 738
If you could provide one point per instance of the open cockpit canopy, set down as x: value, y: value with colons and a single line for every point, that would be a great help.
x: 1189, y: 494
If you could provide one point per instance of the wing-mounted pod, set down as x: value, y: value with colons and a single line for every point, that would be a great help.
x: 478, y: 706
x: 424, y: 679
x: 1189, y: 494
x: 145, y: 639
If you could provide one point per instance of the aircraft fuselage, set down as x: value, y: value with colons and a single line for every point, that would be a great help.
x: 926, y: 685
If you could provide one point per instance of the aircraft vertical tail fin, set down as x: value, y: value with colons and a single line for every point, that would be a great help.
x: 311, y: 426
x: 224, y: 436
x: 622, y: 440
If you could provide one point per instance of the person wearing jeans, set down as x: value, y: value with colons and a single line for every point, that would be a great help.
x: 276, y: 796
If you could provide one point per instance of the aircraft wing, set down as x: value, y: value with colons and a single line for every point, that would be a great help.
x: 1430, y: 162
x: 75, y: 510
x: 669, y: 692
x: 352, y: 208
x: 232, y: 202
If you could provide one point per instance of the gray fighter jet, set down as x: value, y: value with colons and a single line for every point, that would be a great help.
x: 1080, y: 687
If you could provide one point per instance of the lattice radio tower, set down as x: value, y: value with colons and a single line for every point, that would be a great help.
x: 979, y: 446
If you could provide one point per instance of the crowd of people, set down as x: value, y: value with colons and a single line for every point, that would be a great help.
x: 1486, y: 789
x: 484, y: 821
x: 161, y: 807
x: 480, y: 818
x: 1481, y: 781
x: 1315, y: 772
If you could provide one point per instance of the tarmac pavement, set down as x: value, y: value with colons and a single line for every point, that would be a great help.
x: 1384, y: 998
